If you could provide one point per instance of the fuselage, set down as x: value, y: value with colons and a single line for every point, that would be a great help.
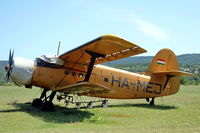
x: 124, y: 84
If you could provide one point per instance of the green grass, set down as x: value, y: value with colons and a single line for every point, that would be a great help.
x: 176, y: 113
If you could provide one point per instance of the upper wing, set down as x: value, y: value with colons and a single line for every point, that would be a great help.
x: 111, y: 47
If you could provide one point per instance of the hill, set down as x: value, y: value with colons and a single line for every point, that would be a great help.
x: 183, y: 59
x: 2, y: 72
x: 2, y: 65
x: 188, y: 62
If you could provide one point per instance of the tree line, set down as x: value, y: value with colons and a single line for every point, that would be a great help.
x: 142, y: 67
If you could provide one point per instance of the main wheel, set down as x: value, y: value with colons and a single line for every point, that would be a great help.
x: 37, y: 102
x: 47, y: 106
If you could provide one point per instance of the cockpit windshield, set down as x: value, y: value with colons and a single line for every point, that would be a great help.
x: 49, y: 61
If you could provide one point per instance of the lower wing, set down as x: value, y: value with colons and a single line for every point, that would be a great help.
x: 85, y: 88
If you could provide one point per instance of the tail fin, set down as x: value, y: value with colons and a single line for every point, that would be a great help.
x: 164, y: 69
x: 165, y: 62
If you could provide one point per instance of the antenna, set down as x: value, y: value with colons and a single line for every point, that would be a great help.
x: 58, y: 48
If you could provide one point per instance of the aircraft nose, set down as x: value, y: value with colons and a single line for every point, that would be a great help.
x: 22, y: 71
x: 6, y: 68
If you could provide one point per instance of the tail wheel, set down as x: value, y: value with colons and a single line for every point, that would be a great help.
x: 152, y: 103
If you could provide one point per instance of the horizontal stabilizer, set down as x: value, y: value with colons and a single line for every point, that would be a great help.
x: 174, y: 73
x: 85, y: 88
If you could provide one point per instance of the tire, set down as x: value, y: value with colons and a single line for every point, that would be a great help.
x: 37, y: 102
x: 47, y: 106
x: 152, y: 103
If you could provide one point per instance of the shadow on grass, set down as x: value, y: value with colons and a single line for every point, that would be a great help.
x: 60, y: 115
x: 71, y: 115
x: 159, y: 107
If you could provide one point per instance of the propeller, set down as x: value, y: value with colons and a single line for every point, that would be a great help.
x: 9, y: 66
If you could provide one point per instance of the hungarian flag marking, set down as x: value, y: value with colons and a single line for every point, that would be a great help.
x: 161, y: 62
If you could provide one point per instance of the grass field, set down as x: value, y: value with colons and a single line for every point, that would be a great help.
x: 176, y: 113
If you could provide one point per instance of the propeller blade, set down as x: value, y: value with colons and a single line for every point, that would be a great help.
x: 7, y: 76
x: 9, y: 60
x: 10, y: 64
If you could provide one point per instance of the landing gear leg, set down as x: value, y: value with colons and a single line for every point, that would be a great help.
x: 147, y: 99
x: 38, y: 101
x: 48, y: 104
x: 53, y: 93
x: 152, y: 103
x: 44, y: 102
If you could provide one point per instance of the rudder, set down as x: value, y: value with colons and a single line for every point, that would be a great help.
x: 164, y: 61
x: 164, y: 70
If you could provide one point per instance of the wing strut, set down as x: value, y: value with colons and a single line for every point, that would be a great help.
x: 92, y: 61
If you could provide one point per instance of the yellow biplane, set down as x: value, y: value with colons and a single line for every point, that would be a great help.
x: 79, y: 72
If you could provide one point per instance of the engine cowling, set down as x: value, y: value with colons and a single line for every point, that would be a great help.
x: 22, y: 71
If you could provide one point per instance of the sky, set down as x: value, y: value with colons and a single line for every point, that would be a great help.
x: 34, y: 27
